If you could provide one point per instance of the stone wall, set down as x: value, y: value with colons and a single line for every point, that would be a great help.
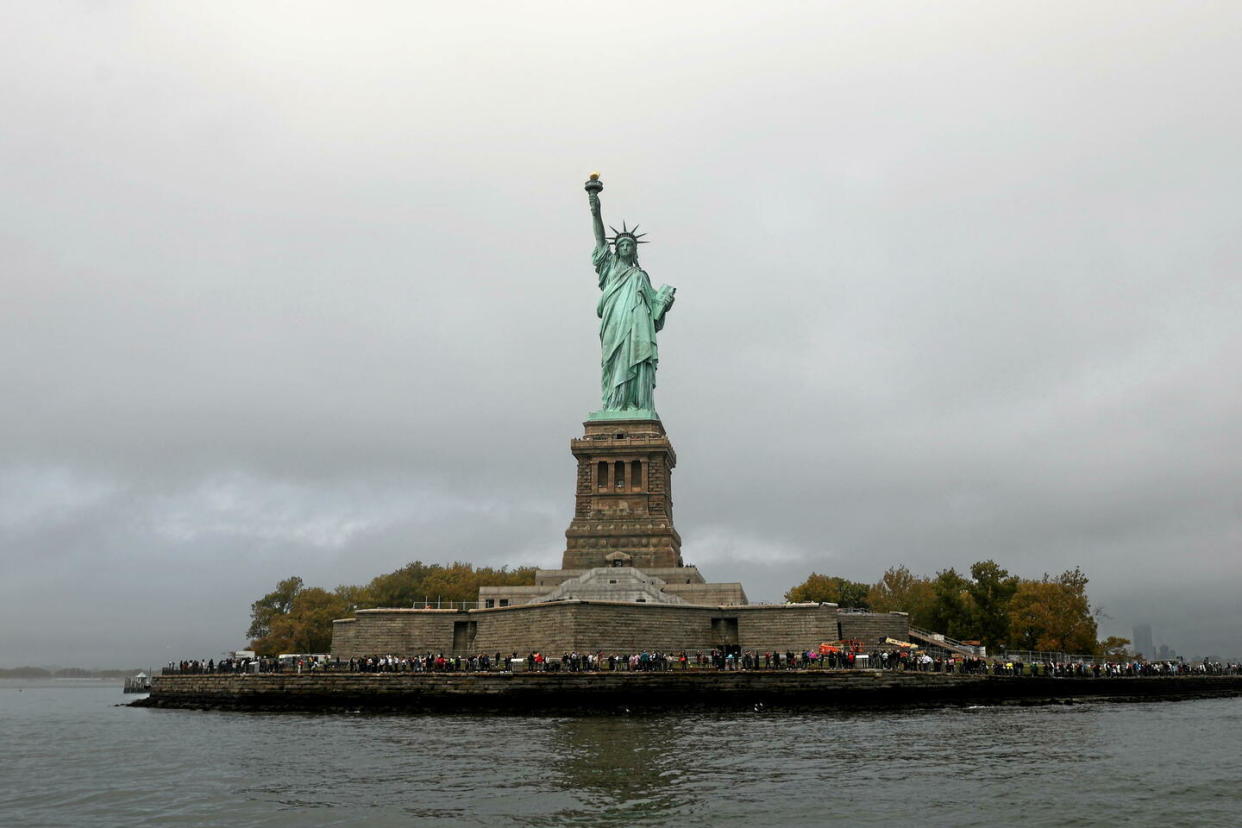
x: 669, y: 574
x: 873, y: 627
x: 708, y: 594
x: 586, y: 626
x: 677, y: 574
x: 796, y: 627
x: 623, y: 502
x: 624, y: 628
x: 511, y: 594
x: 395, y: 631
x: 527, y: 629
x: 551, y: 578
x: 343, y: 634
x: 610, y: 692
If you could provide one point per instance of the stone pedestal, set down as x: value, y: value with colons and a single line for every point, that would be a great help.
x: 623, y: 513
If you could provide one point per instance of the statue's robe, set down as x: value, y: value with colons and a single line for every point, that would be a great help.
x: 630, y: 313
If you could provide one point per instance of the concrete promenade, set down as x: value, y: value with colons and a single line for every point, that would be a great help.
x: 619, y: 692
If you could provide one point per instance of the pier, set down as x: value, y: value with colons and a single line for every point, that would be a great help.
x: 623, y: 692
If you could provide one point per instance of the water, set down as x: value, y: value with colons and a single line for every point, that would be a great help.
x: 73, y: 758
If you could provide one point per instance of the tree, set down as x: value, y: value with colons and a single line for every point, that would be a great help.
x: 952, y: 606
x: 400, y: 588
x: 294, y: 618
x: 417, y: 582
x: 831, y: 589
x: 1053, y: 614
x: 276, y: 603
x: 1115, y: 648
x: 306, y: 627
x: 991, y: 590
x: 902, y: 591
x: 354, y: 597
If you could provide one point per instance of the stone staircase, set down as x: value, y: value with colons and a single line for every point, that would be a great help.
x: 949, y: 645
x: 609, y: 583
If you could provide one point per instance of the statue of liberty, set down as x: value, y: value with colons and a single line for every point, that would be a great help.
x: 630, y: 312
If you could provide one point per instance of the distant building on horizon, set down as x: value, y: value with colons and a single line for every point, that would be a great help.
x: 1142, y: 641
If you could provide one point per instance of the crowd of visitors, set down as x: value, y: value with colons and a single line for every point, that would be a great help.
x: 224, y: 665
x: 896, y: 659
x: 1135, y: 668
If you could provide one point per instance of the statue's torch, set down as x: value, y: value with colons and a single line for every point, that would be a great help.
x: 594, y: 185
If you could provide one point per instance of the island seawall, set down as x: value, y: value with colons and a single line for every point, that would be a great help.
x: 611, y: 692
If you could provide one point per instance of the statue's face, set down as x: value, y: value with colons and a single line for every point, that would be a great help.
x: 625, y: 248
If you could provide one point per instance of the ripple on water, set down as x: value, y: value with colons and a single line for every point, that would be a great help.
x: 73, y: 758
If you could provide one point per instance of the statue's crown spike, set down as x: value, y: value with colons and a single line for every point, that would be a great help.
x: 627, y: 232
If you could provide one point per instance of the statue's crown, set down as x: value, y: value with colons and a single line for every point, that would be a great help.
x: 626, y: 233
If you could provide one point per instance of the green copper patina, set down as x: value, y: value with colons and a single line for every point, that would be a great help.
x: 630, y: 312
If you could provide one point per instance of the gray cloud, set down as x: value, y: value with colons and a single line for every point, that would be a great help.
x: 310, y: 294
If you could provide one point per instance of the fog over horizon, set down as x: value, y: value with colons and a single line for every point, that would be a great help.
x: 305, y: 289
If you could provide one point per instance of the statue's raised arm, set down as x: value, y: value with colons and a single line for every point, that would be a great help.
x: 630, y: 312
x: 593, y: 186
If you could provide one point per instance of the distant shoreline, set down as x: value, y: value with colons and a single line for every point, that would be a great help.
x: 63, y: 679
x: 622, y: 692
x: 50, y: 673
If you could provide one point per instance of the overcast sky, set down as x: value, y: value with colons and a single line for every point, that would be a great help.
x: 305, y: 288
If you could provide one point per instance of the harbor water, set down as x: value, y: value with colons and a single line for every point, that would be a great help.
x: 73, y: 756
